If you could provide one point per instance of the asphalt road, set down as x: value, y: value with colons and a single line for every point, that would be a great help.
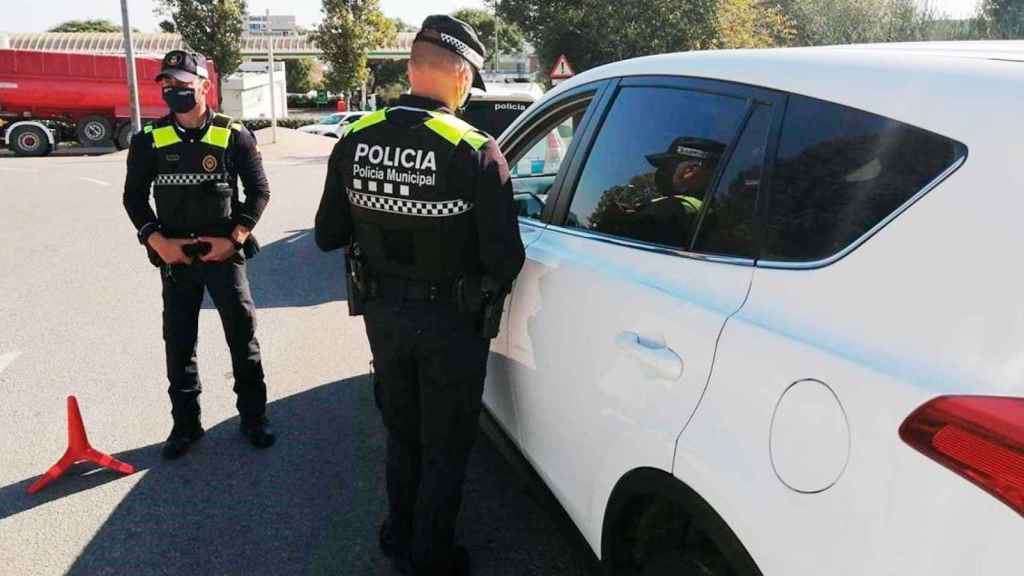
x: 80, y: 314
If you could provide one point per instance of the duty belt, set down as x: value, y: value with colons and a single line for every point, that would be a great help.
x: 409, y: 290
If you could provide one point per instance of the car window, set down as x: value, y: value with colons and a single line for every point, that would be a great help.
x: 652, y: 163
x: 727, y: 226
x: 332, y: 119
x: 535, y: 169
x: 840, y: 171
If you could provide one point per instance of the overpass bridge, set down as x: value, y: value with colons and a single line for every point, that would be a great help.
x: 252, y: 46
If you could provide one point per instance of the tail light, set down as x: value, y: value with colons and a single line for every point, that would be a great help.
x: 979, y: 437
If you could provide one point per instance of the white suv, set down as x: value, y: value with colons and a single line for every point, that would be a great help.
x: 770, y: 320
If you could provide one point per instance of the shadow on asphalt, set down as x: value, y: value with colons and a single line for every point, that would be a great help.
x: 68, y: 151
x: 309, y: 505
x: 293, y: 272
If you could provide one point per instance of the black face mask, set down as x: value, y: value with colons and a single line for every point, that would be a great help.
x: 180, y: 100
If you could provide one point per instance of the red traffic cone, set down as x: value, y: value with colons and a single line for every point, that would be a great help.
x: 78, y: 450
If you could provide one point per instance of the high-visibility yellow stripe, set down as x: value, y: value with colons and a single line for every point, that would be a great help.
x: 369, y: 120
x: 217, y: 136
x: 147, y: 128
x: 165, y: 136
x: 475, y: 139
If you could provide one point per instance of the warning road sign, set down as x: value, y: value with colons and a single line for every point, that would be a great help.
x: 562, y: 69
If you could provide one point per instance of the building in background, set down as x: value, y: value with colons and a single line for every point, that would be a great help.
x: 522, y: 66
x: 247, y: 91
x: 272, y: 25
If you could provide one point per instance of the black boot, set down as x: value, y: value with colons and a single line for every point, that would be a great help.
x: 258, y: 431
x: 181, y: 439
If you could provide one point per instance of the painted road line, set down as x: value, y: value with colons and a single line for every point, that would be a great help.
x: 94, y: 181
x: 7, y: 359
x: 297, y: 238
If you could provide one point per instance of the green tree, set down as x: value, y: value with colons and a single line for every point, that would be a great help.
x: 1002, y: 19
x: 403, y: 26
x: 595, y: 32
x: 828, y: 22
x: 299, y: 75
x: 388, y: 73
x: 168, y: 27
x: 86, y: 26
x: 212, y: 28
x: 752, y: 24
x: 510, y: 37
x: 349, y: 30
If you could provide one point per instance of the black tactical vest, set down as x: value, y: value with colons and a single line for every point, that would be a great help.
x: 407, y: 217
x: 192, y: 189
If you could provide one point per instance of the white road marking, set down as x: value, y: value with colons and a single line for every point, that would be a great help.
x: 94, y: 181
x: 295, y: 239
x: 7, y: 359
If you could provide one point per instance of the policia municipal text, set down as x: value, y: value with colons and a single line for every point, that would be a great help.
x: 424, y: 203
x: 199, y: 238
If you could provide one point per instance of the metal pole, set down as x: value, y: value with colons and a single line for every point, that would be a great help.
x: 496, y: 53
x: 273, y: 85
x: 133, y: 84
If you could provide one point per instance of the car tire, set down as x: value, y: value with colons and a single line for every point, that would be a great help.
x: 123, y: 136
x: 94, y: 131
x: 29, y: 141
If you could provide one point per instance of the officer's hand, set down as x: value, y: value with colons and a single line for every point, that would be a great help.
x: 169, y: 249
x: 221, y: 249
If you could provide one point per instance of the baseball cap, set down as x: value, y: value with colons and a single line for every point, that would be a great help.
x: 457, y: 36
x: 688, y: 148
x: 184, y: 66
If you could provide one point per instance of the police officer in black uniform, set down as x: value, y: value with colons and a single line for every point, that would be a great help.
x: 427, y: 200
x: 199, y: 237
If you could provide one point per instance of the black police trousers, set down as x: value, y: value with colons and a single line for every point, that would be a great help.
x: 183, y: 287
x: 430, y: 367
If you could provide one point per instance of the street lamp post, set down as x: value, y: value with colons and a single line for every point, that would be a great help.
x: 273, y: 85
x: 133, y: 84
x: 496, y: 30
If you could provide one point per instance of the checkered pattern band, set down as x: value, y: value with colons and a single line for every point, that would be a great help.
x: 409, y: 207
x: 186, y: 179
x: 464, y: 50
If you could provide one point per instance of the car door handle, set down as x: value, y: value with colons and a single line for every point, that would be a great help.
x: 662, y: 359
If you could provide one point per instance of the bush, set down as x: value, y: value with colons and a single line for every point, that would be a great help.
x: 255, y: 124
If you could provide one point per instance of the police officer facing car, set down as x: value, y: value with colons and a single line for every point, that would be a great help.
x: 192, y: 159
x: 427, y: 198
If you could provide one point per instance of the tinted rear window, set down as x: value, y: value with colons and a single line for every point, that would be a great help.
x: 493, y: 117
x: 841, y: 171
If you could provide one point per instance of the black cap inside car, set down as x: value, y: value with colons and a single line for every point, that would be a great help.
x: 183, y: 66
x: 688, y: 148
x: 459, y: 37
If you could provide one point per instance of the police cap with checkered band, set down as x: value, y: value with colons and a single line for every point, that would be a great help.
x: 457, y: 36
x: 184, y: 66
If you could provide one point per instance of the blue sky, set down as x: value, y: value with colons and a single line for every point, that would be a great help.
x: 26, y: 16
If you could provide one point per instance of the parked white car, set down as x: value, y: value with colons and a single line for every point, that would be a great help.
x: 331, y: 124
x: 819, y: 370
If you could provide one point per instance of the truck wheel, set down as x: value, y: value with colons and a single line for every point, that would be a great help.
x: 94, y: 131
x: 29, y: 141
x: 123, y: 136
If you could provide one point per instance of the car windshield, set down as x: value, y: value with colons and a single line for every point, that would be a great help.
x: 332, y: 119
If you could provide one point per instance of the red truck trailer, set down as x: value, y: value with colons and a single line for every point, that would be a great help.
x: 86, y: 91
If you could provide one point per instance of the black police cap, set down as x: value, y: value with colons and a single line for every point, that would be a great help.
x: 184, y: 66
x: 457, y: 36
x: 688, y: 148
